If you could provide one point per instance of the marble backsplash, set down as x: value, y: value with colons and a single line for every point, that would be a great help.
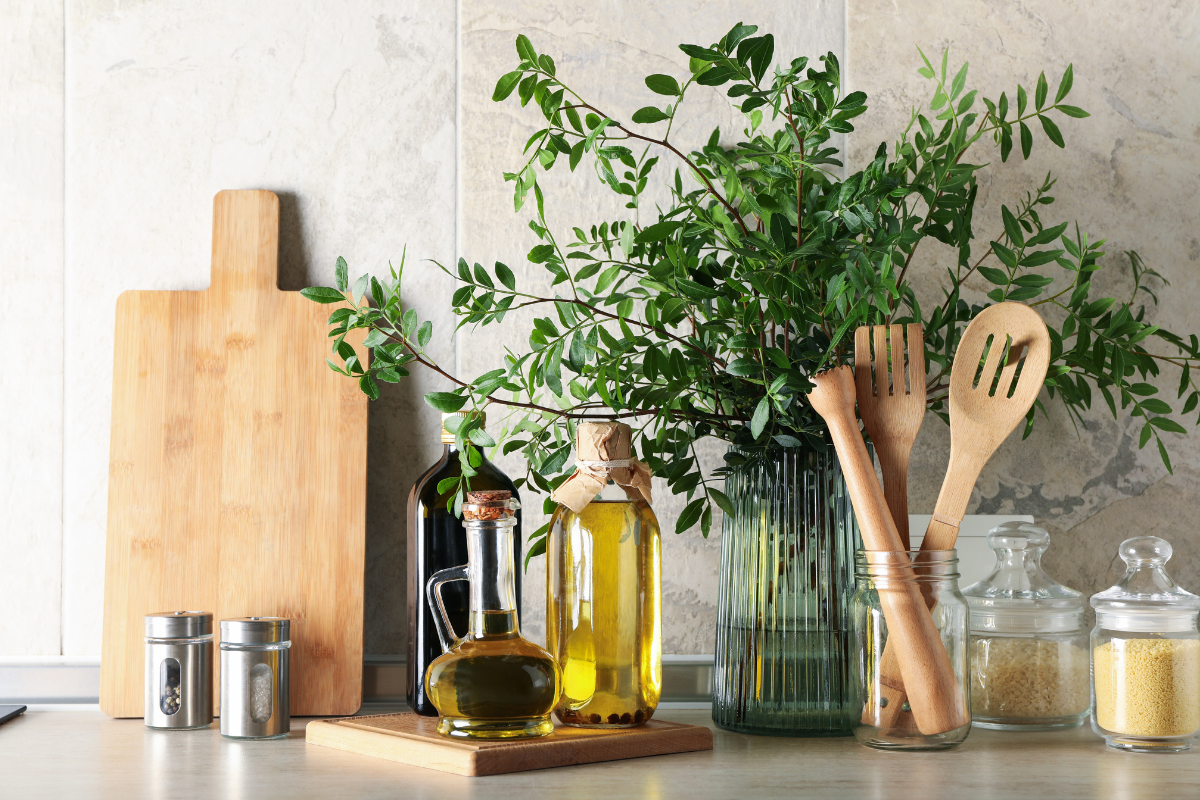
x: 374, y: 123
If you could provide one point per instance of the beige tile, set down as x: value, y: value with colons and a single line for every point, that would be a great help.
x: 346, y: 111
x: 1128, y: 175
x: 31, y: 326
x: 604, y: 52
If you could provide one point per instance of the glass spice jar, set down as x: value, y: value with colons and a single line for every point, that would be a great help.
x: 934, y: 573
x: 1146, y: 655
x: 255, y: 677
x: 179, y: 670
x: 1029, y: 645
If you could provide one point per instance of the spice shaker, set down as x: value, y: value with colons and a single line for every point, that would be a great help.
x: 254, y: 677
x: 179, y: 670
x: 1146, y: 655
x: 1029, y: 643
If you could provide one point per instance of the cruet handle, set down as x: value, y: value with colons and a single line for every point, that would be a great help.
x: 433, y: 590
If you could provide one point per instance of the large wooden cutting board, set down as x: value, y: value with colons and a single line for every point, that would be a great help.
x: 237, y: 472
x: 411, y: 739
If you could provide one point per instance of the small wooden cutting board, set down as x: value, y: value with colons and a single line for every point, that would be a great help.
x: 412, y: 739
x: 237, y: 474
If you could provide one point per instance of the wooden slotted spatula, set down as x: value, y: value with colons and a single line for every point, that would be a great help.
x: 999, y: 368
x: 986, y: 403
x: 891, y: 413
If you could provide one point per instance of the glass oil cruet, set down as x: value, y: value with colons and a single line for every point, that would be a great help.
x: 490, y: 683
x: 603, y: 595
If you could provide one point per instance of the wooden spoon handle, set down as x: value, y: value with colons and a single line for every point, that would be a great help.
x: 924, y: 665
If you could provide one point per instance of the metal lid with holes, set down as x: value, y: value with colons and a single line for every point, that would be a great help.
x: 179, y: 624
x: 255, y: 630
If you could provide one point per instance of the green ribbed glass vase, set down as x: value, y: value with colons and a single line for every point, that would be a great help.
x: 784, y: 638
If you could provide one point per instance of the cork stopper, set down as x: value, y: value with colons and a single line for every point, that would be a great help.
x: 491, y: 505
x: 602, y: 451
x: 603, y: 441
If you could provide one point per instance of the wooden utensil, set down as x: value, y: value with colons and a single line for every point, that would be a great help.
x: 936, y: 700
x: 411, y: 739
x: 986, y: 403
x: 237, y: 478
x: 891, y: 411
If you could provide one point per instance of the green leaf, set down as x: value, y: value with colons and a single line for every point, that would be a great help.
x: 662, y: 84
x: 690, y: 516
x: 1040, y: 93
x: 506, y: 84
x: 649, y: 114
x: 722, y: 501
x: 341, y: 274
x: 1162, y: 452
x: 702, y: 53
x: 761, y: 415
x: 447, y: 402
x: 1167, y: 424
x: 360, y: 288
x: 1052, y: 131
x: 375, y: 338
x: 1026, y: 140
x: 480, y: 437
x: 447, y: 485
x: 960, y: 80
x: 658, y: 231
x: 506, y: 276
x: 323, y: 294
x: 369, y: 387
x: 525, y: 49
x: 425, y: 333
x: 1073, y: 111
x: 1064, y: 85
x: 743, y: 367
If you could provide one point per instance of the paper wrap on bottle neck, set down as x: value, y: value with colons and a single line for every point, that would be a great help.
x: 597, y: 446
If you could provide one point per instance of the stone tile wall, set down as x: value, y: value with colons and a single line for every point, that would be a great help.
x: 374, y: 123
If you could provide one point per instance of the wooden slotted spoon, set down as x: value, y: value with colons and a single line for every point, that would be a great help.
x: 986, y: 403
x: 891, y: 414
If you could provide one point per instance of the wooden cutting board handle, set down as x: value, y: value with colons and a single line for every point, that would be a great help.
x: 245, y: 243
x: 933, y: 690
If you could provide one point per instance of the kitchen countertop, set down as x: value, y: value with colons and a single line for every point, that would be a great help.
x: 82, y: 753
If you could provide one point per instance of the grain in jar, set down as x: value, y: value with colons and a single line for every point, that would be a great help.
x: 1148, y: 687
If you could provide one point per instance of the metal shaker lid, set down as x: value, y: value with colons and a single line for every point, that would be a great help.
x: 255, y: 630
x: 179, y: 624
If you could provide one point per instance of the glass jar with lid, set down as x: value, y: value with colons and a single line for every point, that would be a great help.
x: 1029, y: 646
x: 1146, y: 655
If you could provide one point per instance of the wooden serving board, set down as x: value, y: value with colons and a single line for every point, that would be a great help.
x: 237, y: 474
x: 412, y: 739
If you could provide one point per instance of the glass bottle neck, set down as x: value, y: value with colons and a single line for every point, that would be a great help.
x: 493, y: 609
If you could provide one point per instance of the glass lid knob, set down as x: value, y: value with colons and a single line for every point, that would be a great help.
x: 1145, y: 551
x: 1018, y: 536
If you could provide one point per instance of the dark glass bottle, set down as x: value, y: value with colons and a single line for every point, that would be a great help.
x: 437, y: 540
